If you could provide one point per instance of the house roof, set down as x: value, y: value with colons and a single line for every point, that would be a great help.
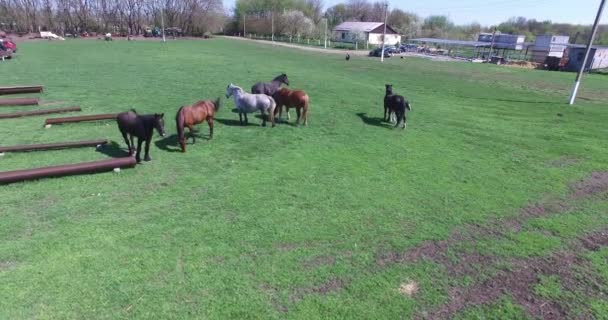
x: 362, y: 26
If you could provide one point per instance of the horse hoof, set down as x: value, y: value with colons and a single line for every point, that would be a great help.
x: 147, y: 159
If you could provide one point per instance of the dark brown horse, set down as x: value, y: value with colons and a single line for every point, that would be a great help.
x: 292, y: 99
x: 189, y: 116
x: 132, y: 125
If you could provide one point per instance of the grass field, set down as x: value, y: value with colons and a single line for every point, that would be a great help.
x: 492, y: 204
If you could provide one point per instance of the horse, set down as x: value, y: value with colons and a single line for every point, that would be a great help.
x: 247, y: 103
x: 141, y: 126
x: 397, y: 104
x: 270, y: 88
x: 292, y: 99
x: 189, y: 116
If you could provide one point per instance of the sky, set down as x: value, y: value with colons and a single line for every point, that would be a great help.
x: 491, y: 12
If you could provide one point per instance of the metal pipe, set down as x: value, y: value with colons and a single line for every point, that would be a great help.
x: 54, y: 146
x: 66, y: 170
x: 19, y: 102
x: 94, y: 117
x: 37, y: 112
x: 21, y: 89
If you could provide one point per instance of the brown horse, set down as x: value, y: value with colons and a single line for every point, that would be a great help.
x: 189, y: 116
x: 292, y: 99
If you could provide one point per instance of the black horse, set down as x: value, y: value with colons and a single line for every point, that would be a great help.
x: 270, y: 88
x: 394, y: 103
x: 142, y: 127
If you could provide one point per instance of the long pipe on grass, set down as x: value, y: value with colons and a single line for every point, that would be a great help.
x: 19, y: 102
x: 93, y: 117
x: 37, y: 112
x: 53, y: 146
x: 21, y: 89
x: 66, y: 170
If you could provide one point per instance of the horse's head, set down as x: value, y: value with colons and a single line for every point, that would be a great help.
x: 282, y: 79
x: 389, y: 89
x: 232, y: 89
x: 159, y: 123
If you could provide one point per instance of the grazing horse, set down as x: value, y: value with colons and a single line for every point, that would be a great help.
x: 247, y: 103
x: 397, y: 104
x: 270, y: 88
x: 292, y: 99
x: 142, y: 127
x: 189, y: 116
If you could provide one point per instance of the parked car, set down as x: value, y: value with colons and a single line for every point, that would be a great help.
x: 409, y: 48
x: 376, y: 53
x: 392, y: 49
x: 8, y: 44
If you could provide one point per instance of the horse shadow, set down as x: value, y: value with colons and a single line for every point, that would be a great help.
x: 167, y: 143
x: 372, y: 121
x: 113, y: 150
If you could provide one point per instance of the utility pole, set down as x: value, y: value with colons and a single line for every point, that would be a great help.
x: 577, y: 82
x: 384, y: 32
x: 162, y: 23
x: 244, y: 29
x: 325, y: 40
x: 272, y: 24
x: 492, y: 45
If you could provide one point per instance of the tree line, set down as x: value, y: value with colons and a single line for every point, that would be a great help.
x: 309, y: 21
x: 294, y: 18
x: 123, y: 16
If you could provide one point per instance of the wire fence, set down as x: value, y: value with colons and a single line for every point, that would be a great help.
x: 318, y: 42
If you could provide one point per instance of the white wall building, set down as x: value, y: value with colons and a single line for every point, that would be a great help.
x: 370, y: 32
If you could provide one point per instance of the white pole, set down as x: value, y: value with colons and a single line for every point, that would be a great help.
x: 162, y: 23
x: 272, y: 24
x: 325, y: 41
x: 577, y: 82
x: 384, y: 33
x: 244, y: 30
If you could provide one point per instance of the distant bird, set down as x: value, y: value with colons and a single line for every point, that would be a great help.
x: 402, y: 57
x: 347, y: 57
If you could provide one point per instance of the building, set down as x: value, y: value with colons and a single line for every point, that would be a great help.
x: 549, y: 46
x: 369, y: 32
x: 598, y: 58
x: 503, y: 40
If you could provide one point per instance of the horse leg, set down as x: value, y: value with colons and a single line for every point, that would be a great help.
x: 137, y: 155
x: 132, y: 145
x: 305, y: 115
x: 298, y: 112
x: 398, y: 115
x: 263, y: 118
x: 246, y: 119
x: 210, y: 123
x: 404, y: 121
x: 147, y: 156
x: 241, y: 118
x: 191, y: 130
x: 124, y: 135
x: 385, y: 110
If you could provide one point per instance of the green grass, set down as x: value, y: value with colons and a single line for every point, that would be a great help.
x: 226, y: 230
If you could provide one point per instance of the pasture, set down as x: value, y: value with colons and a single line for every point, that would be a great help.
x: 492, y: 202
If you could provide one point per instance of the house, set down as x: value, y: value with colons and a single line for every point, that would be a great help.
x: 549, y: 46
x: 369, y: 32
x: 598, y: 58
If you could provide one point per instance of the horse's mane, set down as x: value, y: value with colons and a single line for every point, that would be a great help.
x: 279, y: 77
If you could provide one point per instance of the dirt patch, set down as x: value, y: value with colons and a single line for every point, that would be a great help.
x: 7, y: 265
x: 592, y: 185
x: 331, y: 285
x: 408, y: 288
x: 519, y: 282
x: 273, y: 293
x: 319, y: 261
x: 563, y: 162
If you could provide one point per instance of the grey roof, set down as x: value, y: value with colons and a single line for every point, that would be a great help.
x: 358, y: 26
x: 454, y: 42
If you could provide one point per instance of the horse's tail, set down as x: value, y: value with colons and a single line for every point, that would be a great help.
x: 273, y: 106
x: 408, y: 106
x: 217, y: 103
x: 179, y: 123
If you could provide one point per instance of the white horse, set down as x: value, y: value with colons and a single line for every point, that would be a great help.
x: 248, y: 103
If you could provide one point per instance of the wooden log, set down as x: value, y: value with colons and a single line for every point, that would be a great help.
x: 53, y: 146
x: 66, y: 170
x: 37, y: 112
x: 94, y: 117
x: 21, y: 89
x: 19, y: 102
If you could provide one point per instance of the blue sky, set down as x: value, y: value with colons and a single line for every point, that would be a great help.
x: 491, y: 12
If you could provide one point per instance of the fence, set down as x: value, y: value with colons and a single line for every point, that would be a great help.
x: 360, y: 45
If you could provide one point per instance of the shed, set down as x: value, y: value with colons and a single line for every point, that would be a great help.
x: 598, y: 58
x: 549, y: 46
x: 370, y: 32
